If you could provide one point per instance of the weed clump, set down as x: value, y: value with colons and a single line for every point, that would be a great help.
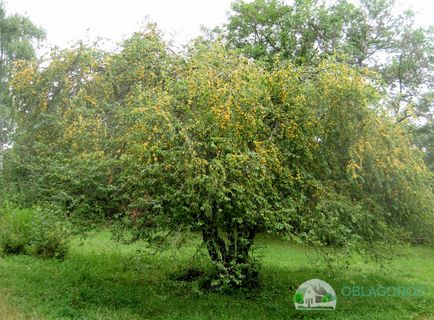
x: 32, y: 231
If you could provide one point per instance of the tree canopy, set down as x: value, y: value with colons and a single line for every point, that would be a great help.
x: 213, y: 142
x: 270, y: 131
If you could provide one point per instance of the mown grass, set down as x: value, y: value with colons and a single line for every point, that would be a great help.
x: 102, y: 279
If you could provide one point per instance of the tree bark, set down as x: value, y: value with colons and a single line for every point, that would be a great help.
x: 232, y: 255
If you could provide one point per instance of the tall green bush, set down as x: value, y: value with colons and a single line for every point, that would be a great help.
x: 32, y: 231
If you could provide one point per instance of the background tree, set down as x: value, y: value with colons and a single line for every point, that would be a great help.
x: 368, y: 33
x: 18, y: 37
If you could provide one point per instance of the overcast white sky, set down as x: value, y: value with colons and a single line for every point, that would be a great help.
x: 67, y: 21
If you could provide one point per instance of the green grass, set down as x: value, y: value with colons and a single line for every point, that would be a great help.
x: 101, y: 279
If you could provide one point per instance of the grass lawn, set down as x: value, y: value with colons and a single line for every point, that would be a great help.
x: 101, y: 279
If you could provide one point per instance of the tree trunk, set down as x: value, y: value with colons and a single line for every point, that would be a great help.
x: 231, y: 255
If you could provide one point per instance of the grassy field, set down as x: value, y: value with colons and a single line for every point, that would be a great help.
x: 101, y: 279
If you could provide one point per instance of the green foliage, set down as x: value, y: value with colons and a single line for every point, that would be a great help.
x: 18, y: 36
x: 394, y: 177
x: 424, y: 139
x: 214, y: 142
x: 366, y: 33
x: 306, y: 30
x: 32, y: 232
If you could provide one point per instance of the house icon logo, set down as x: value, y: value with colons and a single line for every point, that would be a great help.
x: 315, y: 294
